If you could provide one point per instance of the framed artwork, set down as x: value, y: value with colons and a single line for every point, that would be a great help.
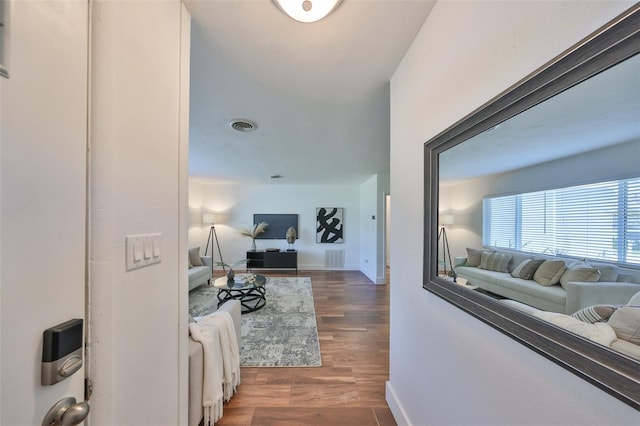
x: 329, y: 225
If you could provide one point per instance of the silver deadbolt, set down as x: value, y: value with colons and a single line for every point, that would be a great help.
x: 66, y: 412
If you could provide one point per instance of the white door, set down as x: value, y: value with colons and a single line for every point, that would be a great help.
x: 43, y: 122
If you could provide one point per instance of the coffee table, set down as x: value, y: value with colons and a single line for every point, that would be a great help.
x: 247, y: 288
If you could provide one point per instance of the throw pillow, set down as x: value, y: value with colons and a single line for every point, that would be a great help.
x: 494, y: 261
x: 516, y: 272
x: 194, y: 256
x: 625, y: 321
x: 608, y: 273
x: 549, y: 272
x: 474, y: 256
x: 594, y: 314
x: 529, y: 270
x: 635, y: 300
x: 579, y: 271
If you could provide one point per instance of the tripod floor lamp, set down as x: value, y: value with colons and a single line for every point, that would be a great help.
x: 208, y: 218
x: 446, y: 219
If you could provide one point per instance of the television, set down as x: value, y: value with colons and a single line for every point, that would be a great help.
x: 278, y: 225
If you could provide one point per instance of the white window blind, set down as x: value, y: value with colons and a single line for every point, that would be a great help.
x: 499, y: 229
x: 596, y: 221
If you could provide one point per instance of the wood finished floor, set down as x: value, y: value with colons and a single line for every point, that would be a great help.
x: 349, y: 389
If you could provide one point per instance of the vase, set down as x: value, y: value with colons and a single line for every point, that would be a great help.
x: 253, y: 244
x: 231, y: 275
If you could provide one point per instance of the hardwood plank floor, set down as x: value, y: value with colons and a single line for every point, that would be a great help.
x: 349, y: 389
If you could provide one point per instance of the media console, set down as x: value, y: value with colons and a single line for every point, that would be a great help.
x: 257, y: 259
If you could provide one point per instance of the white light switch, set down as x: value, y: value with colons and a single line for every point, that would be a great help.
x: 142, y: 250
x: 137, y: 252
x: 148, y: 248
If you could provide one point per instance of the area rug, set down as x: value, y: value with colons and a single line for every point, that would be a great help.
x: 282, y: 334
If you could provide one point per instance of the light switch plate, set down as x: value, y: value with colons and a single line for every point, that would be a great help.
x: 142, y: 250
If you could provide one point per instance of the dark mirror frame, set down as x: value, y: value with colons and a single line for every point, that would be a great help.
x: 611, y: 371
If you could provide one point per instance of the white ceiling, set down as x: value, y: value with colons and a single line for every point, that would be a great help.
x: 600, y: 112
x: 319, y: 93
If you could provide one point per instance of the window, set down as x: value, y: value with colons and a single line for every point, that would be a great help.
x: 595, y: 221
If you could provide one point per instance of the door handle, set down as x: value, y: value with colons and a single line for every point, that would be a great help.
x: 66, y: 412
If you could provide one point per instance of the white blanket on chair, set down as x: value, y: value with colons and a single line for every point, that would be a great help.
x: 229, y: 349
x: 212, y: 396
x: 221, y: 354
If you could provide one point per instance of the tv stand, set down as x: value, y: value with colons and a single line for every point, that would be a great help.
x: 258, y: 259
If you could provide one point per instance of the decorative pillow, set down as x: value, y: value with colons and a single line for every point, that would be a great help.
x: 608, y: 273
x: 516, y: 271
x: 517, y: 257
x: 594, y: 314
x: 635, y: 300
x: 599, y: 332
x: 549, y: 272
x: 494, y: 261
x: 474, y: 256
x: 579, y: 271
x: 194, y: 256
x: 625, y: 321
x: 529, y: 270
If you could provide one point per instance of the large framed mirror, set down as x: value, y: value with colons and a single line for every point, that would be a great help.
x: 573, y: 125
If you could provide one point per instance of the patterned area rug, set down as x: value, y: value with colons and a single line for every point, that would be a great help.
x: 282, y: 334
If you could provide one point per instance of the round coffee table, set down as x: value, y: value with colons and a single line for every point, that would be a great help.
x: 247, y: 288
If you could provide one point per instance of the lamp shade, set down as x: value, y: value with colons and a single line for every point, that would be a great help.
x: 446, y: 219
x: 307, y: 10
x: 207, y: 218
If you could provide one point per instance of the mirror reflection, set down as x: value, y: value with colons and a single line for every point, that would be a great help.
x: 542, y: 212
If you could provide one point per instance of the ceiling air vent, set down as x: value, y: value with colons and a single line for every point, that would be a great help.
x: 242, y: 125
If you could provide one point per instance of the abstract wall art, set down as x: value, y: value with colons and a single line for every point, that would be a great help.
x: 329, y: 225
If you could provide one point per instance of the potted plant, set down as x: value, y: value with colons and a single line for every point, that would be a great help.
x: 253, y: 233
x: 231, y: 274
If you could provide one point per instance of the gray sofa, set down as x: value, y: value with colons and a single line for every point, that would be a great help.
x: 614, y: 286
x: 199, y: 275
x: 196, y: 364
x: 593, y: 324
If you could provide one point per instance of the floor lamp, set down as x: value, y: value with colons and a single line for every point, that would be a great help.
x: 208, y: 218
x: 446, y: 219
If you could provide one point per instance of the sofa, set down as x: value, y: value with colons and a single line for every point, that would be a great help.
x: 196, y: 364
x: 548, y: 283
x: 613, y: 326
x: 199, y: 268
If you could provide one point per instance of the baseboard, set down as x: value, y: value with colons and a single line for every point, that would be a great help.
x: 396, y: 407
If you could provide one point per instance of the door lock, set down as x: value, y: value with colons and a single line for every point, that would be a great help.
x: 66, y: 412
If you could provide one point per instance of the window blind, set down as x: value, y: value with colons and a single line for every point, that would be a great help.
x: 595, y: 221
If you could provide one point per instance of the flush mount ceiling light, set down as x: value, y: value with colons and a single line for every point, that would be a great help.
x: 242, y: 125
x: 307, y: 10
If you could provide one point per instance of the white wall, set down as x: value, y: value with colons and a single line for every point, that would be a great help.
x: 464, y: 199
x: 239, y: 202
x: 138, y: 185
x: 445, y: 367
x: 368, y: 228
x: 372, y: 227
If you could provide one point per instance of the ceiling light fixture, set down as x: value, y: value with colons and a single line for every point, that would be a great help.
x: 276, y: 176
x: 242, y: 125
x: 307, y: 10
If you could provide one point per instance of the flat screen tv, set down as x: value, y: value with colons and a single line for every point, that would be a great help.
x: 278, y: 225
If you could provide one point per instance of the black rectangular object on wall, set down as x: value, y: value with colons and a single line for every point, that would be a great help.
x: 278, y: 225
